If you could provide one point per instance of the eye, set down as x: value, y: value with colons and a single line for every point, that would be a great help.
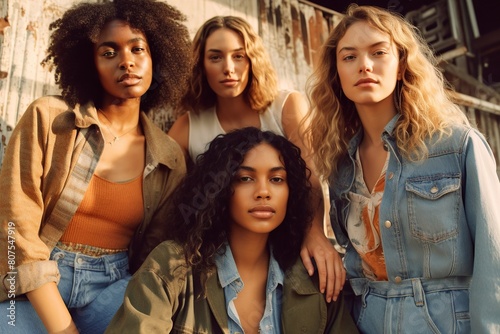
x: 240, y: 56
x: 214, y: 58
x: 277, y: 179
x: 380, y: 53
x: 348, y: 58
x: 245, y: 179
x: 138, y: 49
x: 109, y: 53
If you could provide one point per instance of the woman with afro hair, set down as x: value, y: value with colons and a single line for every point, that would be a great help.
x: 87, y: 176
x: 233, y: 265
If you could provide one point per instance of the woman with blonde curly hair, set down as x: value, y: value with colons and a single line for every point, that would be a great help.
x: 413, y: 187
x: 233, y: 85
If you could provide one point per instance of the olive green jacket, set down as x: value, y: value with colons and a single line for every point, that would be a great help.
x: 41, y: 154
x: 166, y: 296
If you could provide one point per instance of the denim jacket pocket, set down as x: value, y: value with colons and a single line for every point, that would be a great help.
x: 433, y: 206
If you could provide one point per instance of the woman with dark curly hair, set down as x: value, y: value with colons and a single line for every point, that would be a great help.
x: 87, y: 177
x: 233, y: 264
x: 234, y: 85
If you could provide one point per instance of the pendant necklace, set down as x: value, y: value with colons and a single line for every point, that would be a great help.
x: 115, y: 138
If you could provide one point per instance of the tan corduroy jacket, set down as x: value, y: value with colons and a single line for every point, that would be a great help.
x: 40, y: 156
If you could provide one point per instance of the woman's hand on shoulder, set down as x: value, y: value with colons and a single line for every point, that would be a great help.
x: 330, y: 268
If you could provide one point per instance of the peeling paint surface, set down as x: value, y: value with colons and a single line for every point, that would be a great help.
x: 24, y: 36
x: 292, y: 31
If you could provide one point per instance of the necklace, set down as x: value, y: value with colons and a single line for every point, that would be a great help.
x: 115, y: 137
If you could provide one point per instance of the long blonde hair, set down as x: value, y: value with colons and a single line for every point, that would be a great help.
x: 426, y: 107
x: 262, y: 85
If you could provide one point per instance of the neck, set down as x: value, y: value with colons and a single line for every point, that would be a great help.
x: 232, y: 107
x: 249, y: 251
x: 374, y: 118
x: 119, y: 118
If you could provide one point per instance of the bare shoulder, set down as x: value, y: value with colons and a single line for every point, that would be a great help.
x: 294, y: 110
x: 180, y: 132
x: 296, y: 103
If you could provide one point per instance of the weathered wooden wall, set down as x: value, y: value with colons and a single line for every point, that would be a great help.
x: 292, y: 30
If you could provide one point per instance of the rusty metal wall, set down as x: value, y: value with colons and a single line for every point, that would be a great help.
x: 292, y: 30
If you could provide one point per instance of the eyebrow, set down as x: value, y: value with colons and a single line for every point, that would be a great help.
x: 351, y: 48
x: 235, y: 50
x: 115, y: 45
x: 251, y: 169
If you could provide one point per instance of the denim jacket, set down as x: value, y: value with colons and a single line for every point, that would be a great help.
x: 232, y: 284
x: 439, y: 218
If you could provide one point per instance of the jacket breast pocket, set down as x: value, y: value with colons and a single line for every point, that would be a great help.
x: 434, y: 206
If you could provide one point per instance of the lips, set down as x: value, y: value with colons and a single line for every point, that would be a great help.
x: 262, y: 212
x: 129, y: 77
x: 365, y: 81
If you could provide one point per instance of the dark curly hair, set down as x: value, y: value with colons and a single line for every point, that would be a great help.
x: 71, y: 49
x: 201, y: 215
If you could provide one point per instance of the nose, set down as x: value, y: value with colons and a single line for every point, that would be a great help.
x: 126, y: 62
x: 366, y: 64
x: 262, y: 191
x: 228, y: 66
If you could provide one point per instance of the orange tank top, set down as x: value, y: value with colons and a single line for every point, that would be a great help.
x: 108, y: 214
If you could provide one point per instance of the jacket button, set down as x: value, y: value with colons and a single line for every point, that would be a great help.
x: 397, y: 279
x: 391, y: 175
x: 434, y: 189
x: 387, y: 224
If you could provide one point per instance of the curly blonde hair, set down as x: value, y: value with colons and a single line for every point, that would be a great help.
x: 262, y: 85
x: 426, y: 107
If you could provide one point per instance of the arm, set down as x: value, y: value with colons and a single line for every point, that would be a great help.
x: 180, y: 133
x: 48, y: 304
x: 330, y: 268
x: 22, y: 205
x: 152, y: 295
x: 481, y: 195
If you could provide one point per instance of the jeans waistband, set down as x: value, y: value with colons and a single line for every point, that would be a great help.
x: 407, y: 287
x: 87, y: 249
x: 82, y: 261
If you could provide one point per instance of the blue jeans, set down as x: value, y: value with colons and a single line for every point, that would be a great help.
x: 426, y: 306
x: 92, y: 288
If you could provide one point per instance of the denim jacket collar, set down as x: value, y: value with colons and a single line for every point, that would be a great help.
x: 228, y: 273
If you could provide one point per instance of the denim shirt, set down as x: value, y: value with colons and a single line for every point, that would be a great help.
x: 439, y: 218
x: 232, y: 284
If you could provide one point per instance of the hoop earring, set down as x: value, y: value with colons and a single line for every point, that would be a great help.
x: 398, y: 95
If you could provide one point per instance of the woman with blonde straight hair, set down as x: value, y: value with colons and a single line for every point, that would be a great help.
x: 413, y: 187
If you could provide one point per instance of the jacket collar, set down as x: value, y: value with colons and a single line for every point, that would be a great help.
x: 160, y: 148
